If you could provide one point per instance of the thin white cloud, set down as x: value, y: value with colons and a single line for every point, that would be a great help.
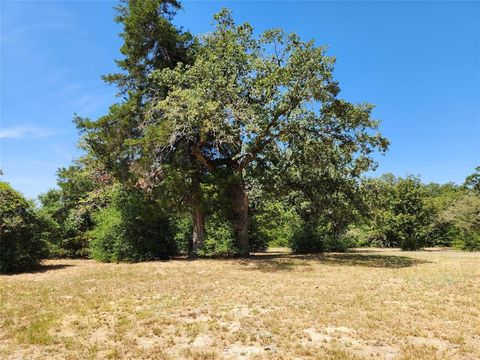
x: 25, y: 131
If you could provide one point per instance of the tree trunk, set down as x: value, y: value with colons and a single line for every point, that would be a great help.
x: 198, y: 216
x: 240, y: 217
x: 198, y: 230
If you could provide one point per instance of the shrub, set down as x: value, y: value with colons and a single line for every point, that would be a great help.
x: 21, y: 242
x: 442, y: 233
x: 469, y: 241
x: 341, y: 242
x: 259, y: 240
x: 366, y: 236
x: 320, y: 235
x: 465, y: 215
x: 131, y: 228
x: 219, y: 239
x: 307, y: 239
x: 272, y: 224
x: 183, y: 229
x: 71, y: 220
x: 406, y: 217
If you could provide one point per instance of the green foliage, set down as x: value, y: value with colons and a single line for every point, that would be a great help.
x: 464, y: 214
x: 22, y: 245
x: 472, y: 181
x: 183, y: 228
x: 307, y: 239
x: 219, y: 240
x: 224, y: 107
x: 400, y: 213
x: 341, y: 242
x: 441, y: 197
x: 70, y: 209
x: 469, y: 241
x: 273, y: 223
x: 151, y: 41
x: 408, y: 219
x: 317, y: 235
x: 409, y: 214
x: 131, y: 228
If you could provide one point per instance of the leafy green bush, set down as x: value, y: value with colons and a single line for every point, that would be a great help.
x: 219, y: 239
x: 312, y: 238
x: 469, y: 241
x: 402, y: 215
x: 183, y: 229
x: 464, y: 214
x: 442, y: 233
x: 341, y: 242
x: 272, y: 224
x: 308, y: 239
x: 71, y: 217
x: 21, y: 243
x: 131, y: 228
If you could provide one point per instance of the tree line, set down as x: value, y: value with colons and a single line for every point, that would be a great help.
x: 223, y: 144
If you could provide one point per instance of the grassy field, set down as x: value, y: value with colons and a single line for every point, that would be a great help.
x: 365, y: 304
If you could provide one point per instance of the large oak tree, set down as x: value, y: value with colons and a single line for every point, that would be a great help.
x: 249, y: 104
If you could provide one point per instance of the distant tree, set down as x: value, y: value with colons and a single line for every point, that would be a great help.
x: 465, y: 215
x: 441, y: 197
x: 473, y: 181
x: 21, y: 243
x: 70, y: 209
x: 400, y: 213
x: 246, y: 103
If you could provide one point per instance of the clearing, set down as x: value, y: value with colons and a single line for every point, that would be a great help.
x: 370, y: 303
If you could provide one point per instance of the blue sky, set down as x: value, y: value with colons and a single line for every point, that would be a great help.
x: 419, y: 62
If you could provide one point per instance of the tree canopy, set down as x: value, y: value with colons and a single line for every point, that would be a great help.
x: 249, y: 105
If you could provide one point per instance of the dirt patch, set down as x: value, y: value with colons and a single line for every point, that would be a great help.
x: 439, y: 345
x: 347, y: 338
x: 246, y: 352
x: 203, y: 341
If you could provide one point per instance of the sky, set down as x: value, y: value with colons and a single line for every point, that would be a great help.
x: 418, y: 62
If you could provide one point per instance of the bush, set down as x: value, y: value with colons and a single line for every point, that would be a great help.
x: 74, y: 240
x: 320, y: 235
x: 21, y: 242
x: 464, y: 214
x: 131, y: 228
x: 219, y: 239
x: 71, y: 220
x: 405, y: 218
x: 366, y: 236
x: 442, y: 233
x: 468, y: 241
x: 259, y: 240
x: 183, y: 229
x: 341, y: 242
x: 307, y: 239
x: 272, y: 224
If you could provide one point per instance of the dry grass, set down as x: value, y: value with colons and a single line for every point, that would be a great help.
x: 366, y: 304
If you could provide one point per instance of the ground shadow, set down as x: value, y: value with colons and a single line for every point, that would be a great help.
x: 269, y: 262
x: 370, y: 260
x: 272, y: 263
x: 40, y: 269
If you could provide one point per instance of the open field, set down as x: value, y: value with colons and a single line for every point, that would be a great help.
x: 366, y: 304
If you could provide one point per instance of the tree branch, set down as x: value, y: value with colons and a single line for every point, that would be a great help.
x: 200, y: 156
